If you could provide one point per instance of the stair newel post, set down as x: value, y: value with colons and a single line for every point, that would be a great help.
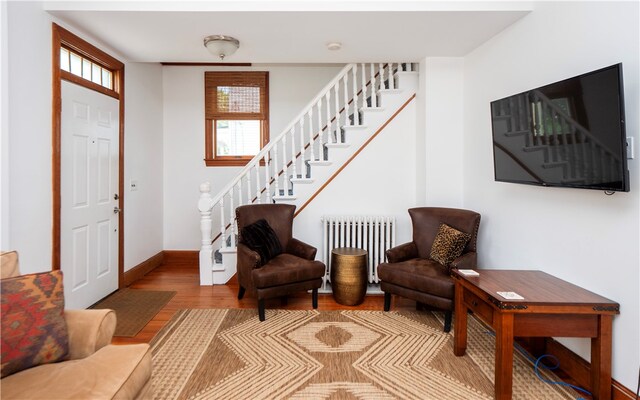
x: 328, y: 124
x: 319, y: 124
x: 267, y: 177
x: 258, y: 194
x: 336, y: 99
x: 293, y: 151
x: 205, y: 206
x: 372, y: 79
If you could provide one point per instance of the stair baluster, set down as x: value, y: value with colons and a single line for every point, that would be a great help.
x: 249, y: 197
x: 302, y: 158
x: 276, y: 177
x: 356, y: 114
x: 319, y: 125
x: 372, y: 79
x: 234, y: 225
x: 389, y: 67
x: 346, y: 99
x: 258, y: 194
x: 363, y: 85
x: 337, y: 106
x: 293, y: 152
x: 223, y: 228
x: 328, y: 124
x: 312, y: 153
x: 267, y: 177
x: 232, y: 217
x: 285, y: 179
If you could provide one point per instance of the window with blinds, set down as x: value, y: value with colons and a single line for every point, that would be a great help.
x: 236, y: 116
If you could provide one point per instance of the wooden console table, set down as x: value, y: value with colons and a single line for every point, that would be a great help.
x: 551, y: 307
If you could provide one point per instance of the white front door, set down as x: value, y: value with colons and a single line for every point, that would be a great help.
x: 89, y: 193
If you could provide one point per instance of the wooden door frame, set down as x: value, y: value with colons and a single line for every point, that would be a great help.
x: 62, y: 37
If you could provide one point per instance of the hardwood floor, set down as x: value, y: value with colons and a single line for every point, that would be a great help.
x: 184, y: 279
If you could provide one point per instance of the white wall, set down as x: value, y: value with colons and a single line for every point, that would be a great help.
x: 4, y: 130
x: 582, y: 236
x: 290, y: 89
x: 29, y: 136
x: 442, y: 88
x: 143, y: 163
x: 28, y: 182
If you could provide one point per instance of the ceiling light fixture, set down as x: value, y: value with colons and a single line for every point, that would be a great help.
x: 221, y: 46
x: 334, y: 46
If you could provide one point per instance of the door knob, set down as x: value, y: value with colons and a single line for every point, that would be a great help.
x: 116, y: 209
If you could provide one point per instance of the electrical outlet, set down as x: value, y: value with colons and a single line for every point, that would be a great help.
x: 133, y: 185
x: 630, y: 148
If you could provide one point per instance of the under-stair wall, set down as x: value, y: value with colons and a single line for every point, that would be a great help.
x: 329, y: 150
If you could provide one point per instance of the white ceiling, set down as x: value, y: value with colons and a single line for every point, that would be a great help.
x: 290, y: 31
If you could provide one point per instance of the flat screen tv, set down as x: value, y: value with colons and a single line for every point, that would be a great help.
x: 566, y: 134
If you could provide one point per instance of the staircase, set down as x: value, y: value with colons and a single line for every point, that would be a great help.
x: 548, y: 145
x: 297, y: 164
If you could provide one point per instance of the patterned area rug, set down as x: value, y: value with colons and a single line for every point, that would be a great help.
x: 295, y: 354
x: 134, y: 308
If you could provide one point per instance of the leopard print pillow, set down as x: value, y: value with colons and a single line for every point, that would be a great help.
x: 448, y: 244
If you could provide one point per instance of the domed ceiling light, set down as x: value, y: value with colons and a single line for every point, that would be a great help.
x: 221, y: 46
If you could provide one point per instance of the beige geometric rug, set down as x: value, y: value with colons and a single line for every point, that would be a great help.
x: 134, y: 308
x: 299, y: 354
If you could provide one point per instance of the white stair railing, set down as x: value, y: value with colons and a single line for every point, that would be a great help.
x: 268, y: 175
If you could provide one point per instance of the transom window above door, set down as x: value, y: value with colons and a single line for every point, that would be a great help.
x: 236, y: 116
x: 82, y: 67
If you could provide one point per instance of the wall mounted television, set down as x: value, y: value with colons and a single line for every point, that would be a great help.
x: 569, y: 133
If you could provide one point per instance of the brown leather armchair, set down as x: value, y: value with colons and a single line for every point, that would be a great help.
x: 411, y: 273
x: 295, y: 269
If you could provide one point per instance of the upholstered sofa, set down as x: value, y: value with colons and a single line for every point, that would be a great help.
x: 93, y: 368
